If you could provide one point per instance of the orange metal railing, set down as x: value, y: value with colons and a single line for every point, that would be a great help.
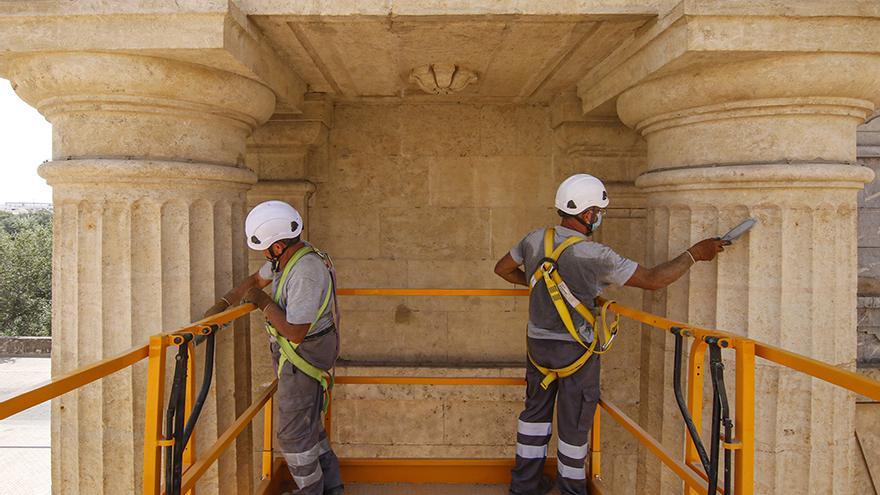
x: 743, y: 443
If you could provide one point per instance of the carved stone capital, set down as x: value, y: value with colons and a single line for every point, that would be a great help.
x: 802, y: 108
x: 105, y: 105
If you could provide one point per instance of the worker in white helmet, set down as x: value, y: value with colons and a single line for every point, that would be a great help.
x: 304, y: 341
x: 566, y: 272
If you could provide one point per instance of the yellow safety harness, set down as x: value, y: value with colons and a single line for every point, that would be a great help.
x: 562, y: 297
x: 288, y: 348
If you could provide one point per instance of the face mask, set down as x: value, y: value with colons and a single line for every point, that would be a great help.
x: 597, y: 223
x: 275, y: 260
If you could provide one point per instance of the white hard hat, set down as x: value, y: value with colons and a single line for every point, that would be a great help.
x: 271, y: 221
x: 579, y: 192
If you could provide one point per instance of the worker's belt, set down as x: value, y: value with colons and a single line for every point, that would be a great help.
x: 320, y: 334
x: 287, y: 348
x: 562, y: 298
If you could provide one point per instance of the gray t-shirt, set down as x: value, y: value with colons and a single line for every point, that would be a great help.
x: 303, y: 291
x: 586, y: 267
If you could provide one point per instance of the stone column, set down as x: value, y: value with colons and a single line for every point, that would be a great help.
x: 283, y: 151
x: 772, y: 139
x: 149, y: 194
x: 604, y: 147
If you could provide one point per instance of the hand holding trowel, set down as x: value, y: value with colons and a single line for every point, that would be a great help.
x: 737, y: 232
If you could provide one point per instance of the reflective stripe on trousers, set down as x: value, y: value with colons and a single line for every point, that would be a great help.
x: 575, y: 399
x: 301, y: 437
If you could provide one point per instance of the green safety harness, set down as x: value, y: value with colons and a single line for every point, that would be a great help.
x: 288, y: 348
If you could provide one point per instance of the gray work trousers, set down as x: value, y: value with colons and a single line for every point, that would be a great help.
x: 300, y: 431
x: 576, y: 396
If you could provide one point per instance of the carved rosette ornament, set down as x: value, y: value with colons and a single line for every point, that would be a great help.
x: 442, y: 79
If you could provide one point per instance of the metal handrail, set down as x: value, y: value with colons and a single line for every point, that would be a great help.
x: 747, y: 349
x: 71, y: 381
x: 192, y: 475
x: 815, y: 368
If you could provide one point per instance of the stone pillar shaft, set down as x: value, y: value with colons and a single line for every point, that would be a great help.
x: 149, y: 203
x: 725, y: 144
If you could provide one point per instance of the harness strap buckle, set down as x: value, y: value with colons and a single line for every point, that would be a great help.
x: 554, y: 265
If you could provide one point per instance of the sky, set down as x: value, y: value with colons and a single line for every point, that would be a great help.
x: 25, y: 143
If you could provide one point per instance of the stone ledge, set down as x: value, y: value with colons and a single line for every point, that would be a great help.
x: 26, y: 346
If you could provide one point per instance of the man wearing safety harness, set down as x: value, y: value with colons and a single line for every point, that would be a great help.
x: 565, y: 273
x: 301, y: 321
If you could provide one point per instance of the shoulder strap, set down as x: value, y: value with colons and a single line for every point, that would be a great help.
x: 551, y: 256
x: 290, y: 263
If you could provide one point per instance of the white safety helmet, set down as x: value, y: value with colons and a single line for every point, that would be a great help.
x: 579, y: 192
x: 271, y: 221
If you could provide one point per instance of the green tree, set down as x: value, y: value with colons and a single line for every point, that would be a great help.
x: 26, y: 273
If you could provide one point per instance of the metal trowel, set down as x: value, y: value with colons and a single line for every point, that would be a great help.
x: 737, y: 232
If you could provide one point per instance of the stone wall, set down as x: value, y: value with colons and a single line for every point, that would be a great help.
x: 25, y: 346
x: 431, y: 196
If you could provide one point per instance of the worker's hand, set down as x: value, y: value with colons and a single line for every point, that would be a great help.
x: 258, y: 297
x: 218, y: 307
x: 706, y: 249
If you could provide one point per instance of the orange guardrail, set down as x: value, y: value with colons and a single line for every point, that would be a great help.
x: 742, y: 444
x: 71, y: 381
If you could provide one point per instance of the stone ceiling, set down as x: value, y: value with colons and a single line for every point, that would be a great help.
x: 515, y: 57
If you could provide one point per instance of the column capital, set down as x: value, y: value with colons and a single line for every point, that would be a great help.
x: 118, y: 106
x: 207, y: 33
x: 800, y: 108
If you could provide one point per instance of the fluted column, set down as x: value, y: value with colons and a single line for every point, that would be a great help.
x: 149, y: 192
x: 772, y: 139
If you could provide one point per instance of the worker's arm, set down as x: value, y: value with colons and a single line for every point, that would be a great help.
x: 665, y: 273
x: 277, y: 317
x: 508, y: 269
x: 234, y: 296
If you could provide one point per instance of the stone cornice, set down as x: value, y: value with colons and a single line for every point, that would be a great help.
x: 699, y: 34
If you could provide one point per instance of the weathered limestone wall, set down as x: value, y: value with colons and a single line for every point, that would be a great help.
x: 149, y: 195
x: 431, y: 196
